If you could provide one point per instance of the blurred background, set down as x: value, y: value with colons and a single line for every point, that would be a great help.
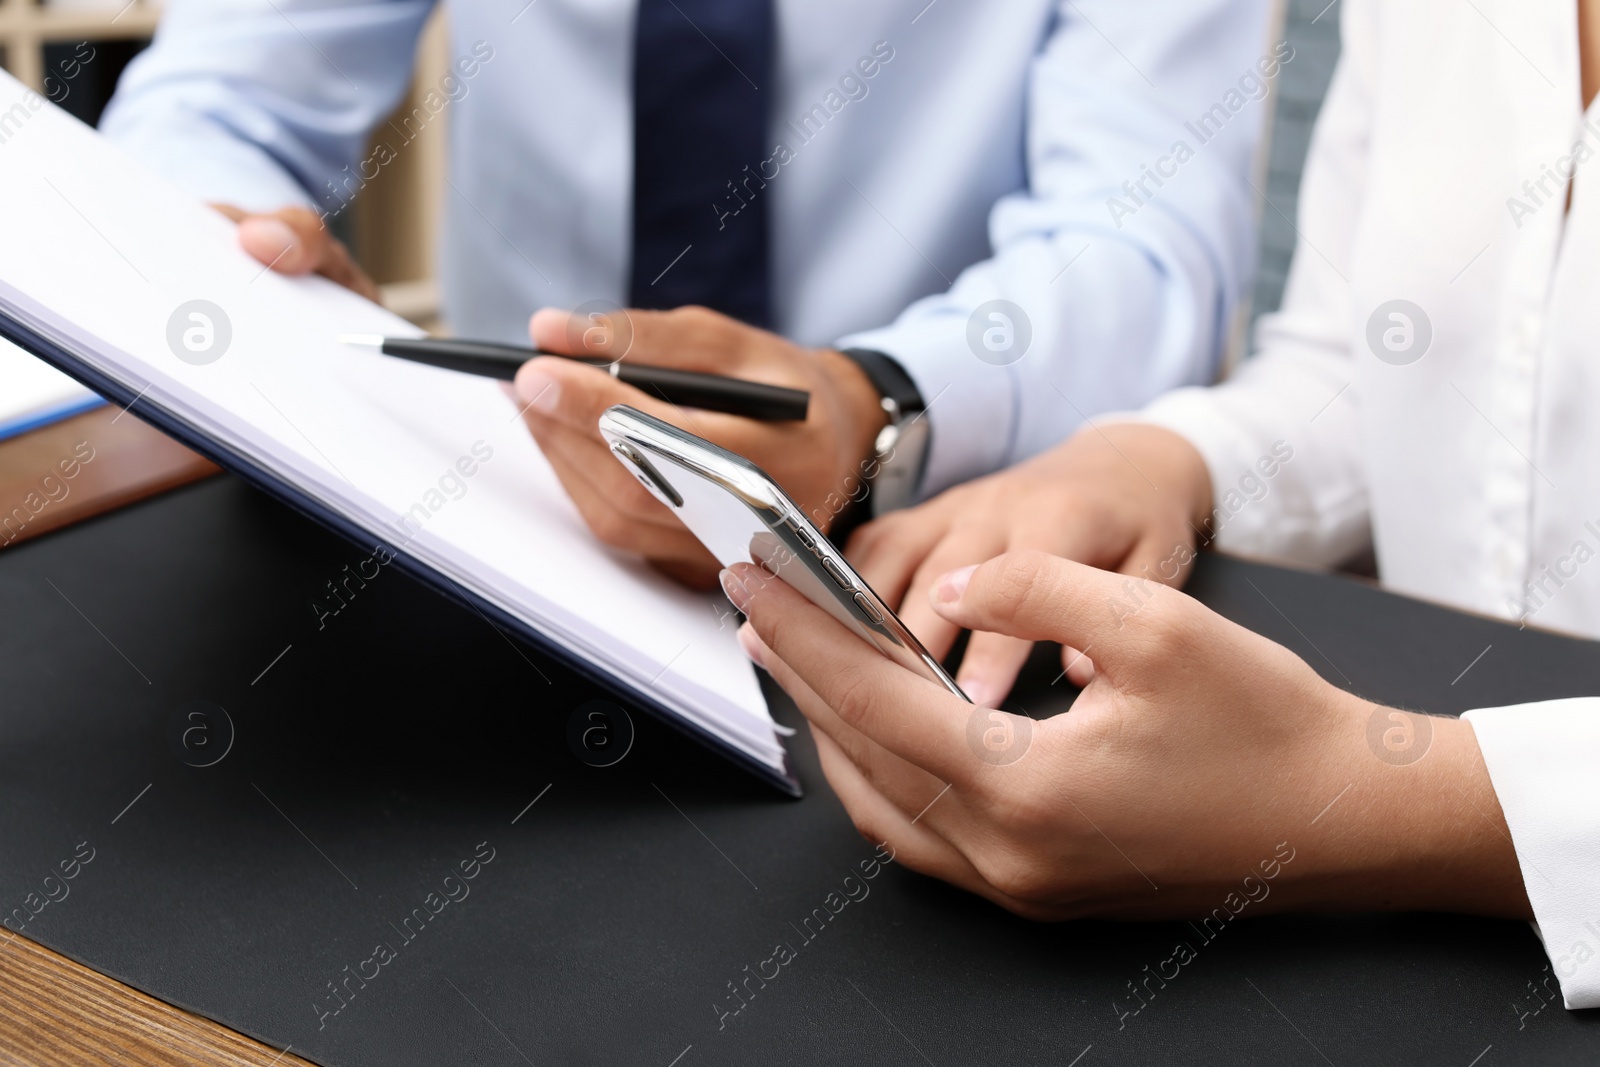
x: 73, y: 51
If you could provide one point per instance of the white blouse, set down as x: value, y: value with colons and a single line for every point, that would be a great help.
x: 1432, y: 383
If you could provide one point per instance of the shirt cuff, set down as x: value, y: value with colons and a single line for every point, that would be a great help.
x: 972, y: 405
x: 1231, y: 450
x: 1287, y: 483
x: 1542, y: 759
x: 214, y: 166
x: 1192, y: 413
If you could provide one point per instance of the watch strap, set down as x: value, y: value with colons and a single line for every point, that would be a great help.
x: 889, y: 379
x: 902, y: 446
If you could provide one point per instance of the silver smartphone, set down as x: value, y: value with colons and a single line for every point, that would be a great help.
x: 741, y: 515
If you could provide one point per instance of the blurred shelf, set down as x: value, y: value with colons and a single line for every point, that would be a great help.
x: 417, y: 302
x: 393, y: 225
x: 136, y: 20
x: 27, y: 27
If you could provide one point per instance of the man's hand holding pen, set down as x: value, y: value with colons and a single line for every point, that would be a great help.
x: 817, y: 461
x: 562, y: 401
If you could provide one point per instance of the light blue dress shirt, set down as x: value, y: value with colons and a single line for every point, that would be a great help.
x: 1086, y: 160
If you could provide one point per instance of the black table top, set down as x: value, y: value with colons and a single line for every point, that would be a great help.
x: 370, y: 757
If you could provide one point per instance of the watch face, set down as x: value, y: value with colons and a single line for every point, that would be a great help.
x: 885, y: 442
x: 899, y: 465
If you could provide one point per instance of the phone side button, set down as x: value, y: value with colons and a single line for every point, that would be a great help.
x: 873, y: 615
x: 839, y: 577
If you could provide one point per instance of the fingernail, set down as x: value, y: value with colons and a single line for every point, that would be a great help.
x: 538, y: 390
x: 980, y: 692
x: 953, y: 585
x: 547, y: 326
x: 734, y: 588
x: 273, y: 233
x: 751, y: 645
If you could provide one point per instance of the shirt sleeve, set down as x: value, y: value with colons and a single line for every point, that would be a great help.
x: 1542, y: 760
x: 1130, y: 248
x: 1281, y: 437
x: 266, y: 103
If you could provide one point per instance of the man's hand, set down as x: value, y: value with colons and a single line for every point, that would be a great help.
x: 1126, y: 497
x: 1199, y: 767
x: 813, y: 460
x: 294, y: 240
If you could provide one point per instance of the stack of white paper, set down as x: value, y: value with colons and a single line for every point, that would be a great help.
x: 147, y: 286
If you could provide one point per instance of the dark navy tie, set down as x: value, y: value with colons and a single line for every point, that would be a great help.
x: 701, y: 77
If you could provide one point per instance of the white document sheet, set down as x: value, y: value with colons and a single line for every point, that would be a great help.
x: 98, y: 255
x: 33, y: 393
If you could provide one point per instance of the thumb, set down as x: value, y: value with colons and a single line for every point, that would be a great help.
x: 291, y: 241
x: 294, y: 241
x: 1038, y: 597
x: 605, y: 333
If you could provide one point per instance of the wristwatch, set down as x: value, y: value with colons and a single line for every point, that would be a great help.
x: 893, y: 473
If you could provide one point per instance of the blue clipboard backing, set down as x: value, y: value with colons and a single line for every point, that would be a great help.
x: 49, y: 417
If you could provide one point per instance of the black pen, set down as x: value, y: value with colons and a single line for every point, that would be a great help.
x: 690, y: 389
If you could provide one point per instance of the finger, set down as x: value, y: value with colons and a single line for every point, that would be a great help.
x: 990, y: 666
x: 914, y: 718
x: 916, y: 845
x: 908, y: 786
x: 603, y: 334
x: 339, y: 266
x: 683, y: 557
x: 1078, y: 668
x: 877, y: 819
x: 1160, y: 559
x: 691, y: 338
x: 577, y: 394
x: 589, y: 468
x: 660, y: 545
x: 888, y: 551
x: 963, y: 548
x: 932, y: 823
x: 291, y: 241
x: 991, y: 663
x: 700, y: 575
x: 616, y: 508
x: 1039, y: 597
x: 295, y: 241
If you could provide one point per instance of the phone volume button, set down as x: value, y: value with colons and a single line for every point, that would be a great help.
x: 873, y: 615
x: 832, y: 567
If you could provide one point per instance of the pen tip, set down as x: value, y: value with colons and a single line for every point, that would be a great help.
x: 369, y: 340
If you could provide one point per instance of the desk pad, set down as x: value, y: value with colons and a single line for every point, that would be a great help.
x: 369, y: 834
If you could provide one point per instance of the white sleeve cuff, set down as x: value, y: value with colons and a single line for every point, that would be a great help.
x: 1544, y: 763
x: 1280, y: 439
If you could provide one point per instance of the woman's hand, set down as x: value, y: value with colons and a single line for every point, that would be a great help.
x: 1199, y: 754
x: 1125, y: 497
